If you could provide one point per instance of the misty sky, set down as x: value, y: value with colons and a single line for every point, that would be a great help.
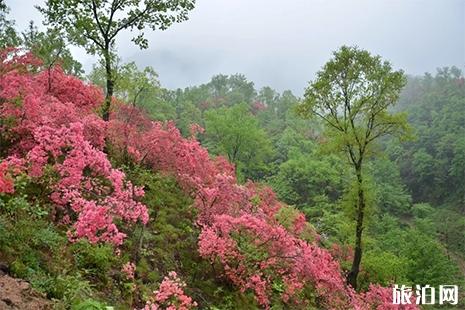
x: 283, y: 43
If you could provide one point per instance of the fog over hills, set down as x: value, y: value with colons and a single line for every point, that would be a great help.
x: 285, y: 43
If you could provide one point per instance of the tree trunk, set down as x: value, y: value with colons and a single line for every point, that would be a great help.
x: 110, y: 85
x: 360, y: 207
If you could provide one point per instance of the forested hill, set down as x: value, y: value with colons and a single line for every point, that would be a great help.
x: 432, y: 165
x: 416, y: 230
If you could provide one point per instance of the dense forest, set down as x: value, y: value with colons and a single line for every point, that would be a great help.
x: 117, y: 193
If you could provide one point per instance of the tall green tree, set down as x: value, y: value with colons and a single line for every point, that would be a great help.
x: 352, y: 94
x: 95, y: 24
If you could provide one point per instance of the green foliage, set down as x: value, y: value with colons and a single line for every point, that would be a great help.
x: 8, y: 35
x: 286, y: 216
x: 305, y: 179
x: 51, y: 48
x: 15, y: 206
x: 89, y: 304
x: 286, y: 130
x: 392, y: 195
x: 231, y: 90
x: 290, y: 142
x: 350, y: 199
x: 137, y: 87
x: 384, y: 268
x: 34, y: 250
x: 352, y: 94
x: 67, y: 289
x: 94, y: 261
x: 188, y: 114
x: 450, y: 226
x: 25, y: 230
x: 234, y: 132
x: 420, y: 258
x: 423, y: 251
x: 432, y: 165
x: 422, y: 210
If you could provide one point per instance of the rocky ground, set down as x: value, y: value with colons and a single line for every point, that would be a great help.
x: 18, y: 294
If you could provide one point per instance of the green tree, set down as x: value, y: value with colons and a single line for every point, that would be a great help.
x: 352, y: 94
x: 231, y: 90
x: 305, y: 179
x: 234, y: 132
x: 187, y: 115
x: 95, y: 24
x: 50, y: 47
x: 138, y: 87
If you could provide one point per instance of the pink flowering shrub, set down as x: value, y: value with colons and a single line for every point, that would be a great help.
x: 258, y: 106
x: 380, y: 298
x: 258, y: 255
x: 6, y: 180
x: 12, y: 59
x: 52, y: 126
x: 9, y: 168
x: 196, y: 129
x: 87, y: 183
x: 128, y: 270
x: 170, y: 295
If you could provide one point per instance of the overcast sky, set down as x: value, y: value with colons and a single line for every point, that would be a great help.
x: 283, y: 43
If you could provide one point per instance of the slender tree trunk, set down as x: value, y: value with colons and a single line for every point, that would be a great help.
x: 353, y: 274
x: 110, y: 85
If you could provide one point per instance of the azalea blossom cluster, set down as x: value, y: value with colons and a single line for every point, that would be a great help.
x: 128, y: 270
x: 6, y: 181
x: 9, y: 168
x: 380, y: 298
x: 170, y: 295
x: 51, y: 125
x: 275, y: 258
